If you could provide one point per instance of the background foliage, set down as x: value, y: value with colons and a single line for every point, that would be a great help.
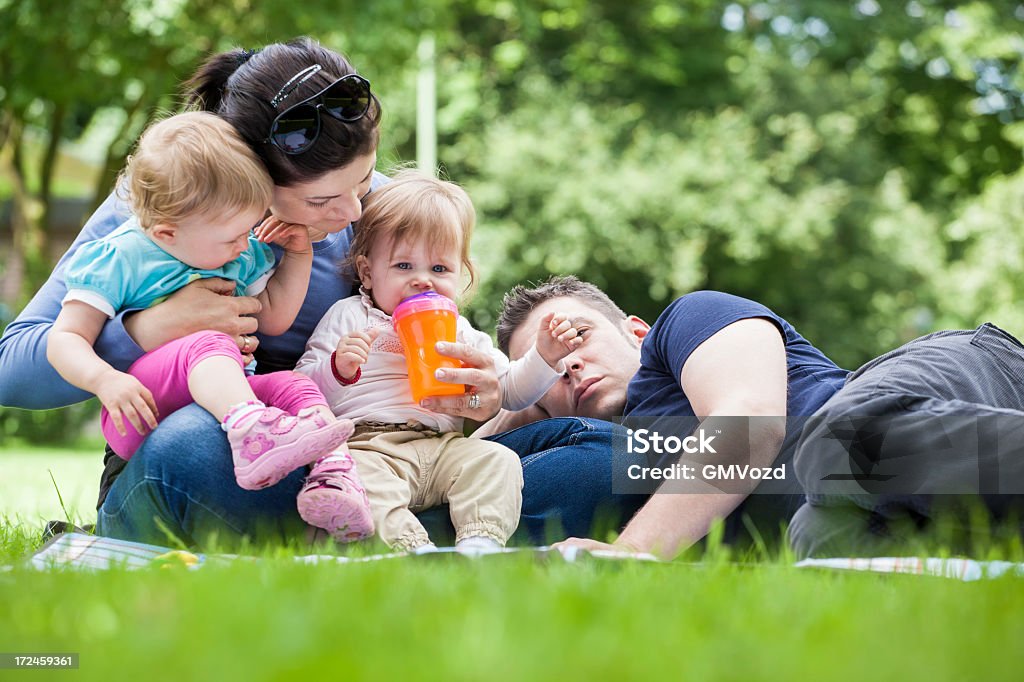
x: 853, y: 165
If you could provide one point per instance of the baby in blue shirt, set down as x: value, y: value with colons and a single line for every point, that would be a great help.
x: 196, y: 191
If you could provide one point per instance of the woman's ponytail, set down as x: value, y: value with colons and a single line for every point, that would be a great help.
x: 205, y: 90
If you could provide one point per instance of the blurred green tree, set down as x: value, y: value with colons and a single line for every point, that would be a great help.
x: 67, y: 63
x: 854, y: 165
x: 63, y: 65
x: 806, y: 154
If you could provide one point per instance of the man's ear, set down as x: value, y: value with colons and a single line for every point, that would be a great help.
x: 363, y: 270
x: 165, y: 233
x: 637, y: 328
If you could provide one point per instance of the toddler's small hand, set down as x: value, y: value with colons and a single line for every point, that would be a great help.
x: 289, y: 236
x: 353, y: 351
x: 557, y: 337
x: 125, y: 397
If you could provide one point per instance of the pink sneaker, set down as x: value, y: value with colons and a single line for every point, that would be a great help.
x: 274, y: 444
x: 333, y: 498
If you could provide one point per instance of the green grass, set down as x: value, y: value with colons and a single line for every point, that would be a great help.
x: 503, y: 618
x: 28, y: 495
x: 497, y: 619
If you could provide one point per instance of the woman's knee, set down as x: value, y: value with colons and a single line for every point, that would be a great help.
x: 188, y: 441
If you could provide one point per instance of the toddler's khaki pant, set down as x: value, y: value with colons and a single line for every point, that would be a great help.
x: 408, y: 471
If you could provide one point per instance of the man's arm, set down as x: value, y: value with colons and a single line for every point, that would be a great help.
x: 739, y: 371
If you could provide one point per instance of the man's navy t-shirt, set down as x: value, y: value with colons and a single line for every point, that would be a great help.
x: 690, y: 321
x: 655, y: 390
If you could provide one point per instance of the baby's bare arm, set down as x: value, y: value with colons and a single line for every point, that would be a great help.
x: 69, y: 349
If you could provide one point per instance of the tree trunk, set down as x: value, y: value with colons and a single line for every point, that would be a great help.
x: 117, y: 150
x: 27, y: 234
x: 37, y: 261
x: 21, y: 219
x: 14, y: 266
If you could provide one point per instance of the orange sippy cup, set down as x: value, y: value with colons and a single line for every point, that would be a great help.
x: 420, y: 322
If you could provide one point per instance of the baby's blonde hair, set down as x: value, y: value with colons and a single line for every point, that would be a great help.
x: 413, y: 207
x: 190, y: 164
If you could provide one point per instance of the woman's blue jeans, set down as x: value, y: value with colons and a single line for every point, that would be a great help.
x: 173, y: 487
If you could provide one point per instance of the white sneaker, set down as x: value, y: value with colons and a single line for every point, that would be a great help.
x: 478, y: 544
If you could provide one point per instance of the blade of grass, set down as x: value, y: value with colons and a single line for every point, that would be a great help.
x: 60, y: 498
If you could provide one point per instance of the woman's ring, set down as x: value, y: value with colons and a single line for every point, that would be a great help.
x: 474, y: 401
x: 245, y: 345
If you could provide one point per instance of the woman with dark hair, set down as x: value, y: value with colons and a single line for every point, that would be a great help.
x: 314, y: 123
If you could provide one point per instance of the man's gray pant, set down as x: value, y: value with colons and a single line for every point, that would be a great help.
x: 910, y: 438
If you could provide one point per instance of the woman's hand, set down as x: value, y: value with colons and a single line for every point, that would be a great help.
x: 248, y: 345
x: 483, y: 393
x: 204, y: 304
x: 291, y: 237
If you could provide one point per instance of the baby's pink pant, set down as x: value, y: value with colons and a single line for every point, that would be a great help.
x: 165, y: 371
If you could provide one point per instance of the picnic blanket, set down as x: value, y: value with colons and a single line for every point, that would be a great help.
x: 92, y: 552
x: 960, y: 569
x: 82, y: 551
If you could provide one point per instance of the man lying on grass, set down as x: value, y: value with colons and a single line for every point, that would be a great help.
x: 712, y: 356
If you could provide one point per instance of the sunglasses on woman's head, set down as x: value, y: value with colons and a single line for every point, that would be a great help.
x: 296, y: 128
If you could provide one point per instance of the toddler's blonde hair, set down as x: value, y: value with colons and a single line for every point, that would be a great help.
x: 415, y: 206
x: 190, y: 164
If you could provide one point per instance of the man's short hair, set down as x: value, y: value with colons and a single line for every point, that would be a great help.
x: 520, y: 301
